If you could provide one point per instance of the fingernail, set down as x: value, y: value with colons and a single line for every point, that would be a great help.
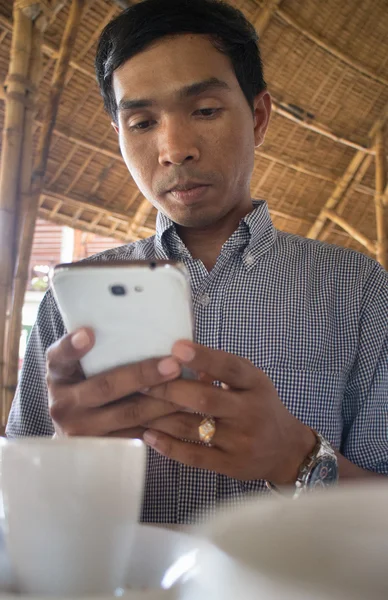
x: 168, y: 366
x: 150, y: 438
x: 184, y: 352
x: 80, y: 340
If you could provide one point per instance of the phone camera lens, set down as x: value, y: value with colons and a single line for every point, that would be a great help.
x: 118, y: 290
x: 153, y: 265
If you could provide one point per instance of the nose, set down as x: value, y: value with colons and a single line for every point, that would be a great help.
x: 176, y: 144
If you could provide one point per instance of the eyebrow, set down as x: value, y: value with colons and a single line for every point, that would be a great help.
x: 188, y: 91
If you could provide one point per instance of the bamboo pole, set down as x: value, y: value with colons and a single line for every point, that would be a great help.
x: 15, y: 96
x: 381, y: 209
x: 13, y: 334
x: 39, y: 170
x: 352, y: 231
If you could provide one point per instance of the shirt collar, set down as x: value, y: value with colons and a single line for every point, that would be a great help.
x: 254, y: 236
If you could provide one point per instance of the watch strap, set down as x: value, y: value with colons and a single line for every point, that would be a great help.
x: 321, y: 448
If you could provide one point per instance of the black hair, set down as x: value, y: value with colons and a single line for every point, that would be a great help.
x: 144, y: 22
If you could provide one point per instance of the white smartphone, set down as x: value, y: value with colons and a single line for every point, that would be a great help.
x: 137, y: 309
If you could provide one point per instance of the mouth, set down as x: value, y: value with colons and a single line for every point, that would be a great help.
x: 189, y: 193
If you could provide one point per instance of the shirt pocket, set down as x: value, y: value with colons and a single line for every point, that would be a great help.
x: 313, y: 397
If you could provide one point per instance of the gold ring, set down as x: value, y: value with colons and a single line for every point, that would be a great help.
x: 207, y: 429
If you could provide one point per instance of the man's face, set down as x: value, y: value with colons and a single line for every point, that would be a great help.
x: 174, y: 133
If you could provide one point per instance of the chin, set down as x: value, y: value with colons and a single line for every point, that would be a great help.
x: 194, y: 217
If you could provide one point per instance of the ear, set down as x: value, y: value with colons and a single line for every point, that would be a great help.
x: 115, y: 127
x: 261, y: 114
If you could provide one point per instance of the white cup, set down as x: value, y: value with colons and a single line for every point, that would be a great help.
x: 71, y: 506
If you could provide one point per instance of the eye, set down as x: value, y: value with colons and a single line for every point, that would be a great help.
x: 209, y: 112
x: 141, y: 126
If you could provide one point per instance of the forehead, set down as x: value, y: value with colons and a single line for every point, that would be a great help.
x: 171, y: 63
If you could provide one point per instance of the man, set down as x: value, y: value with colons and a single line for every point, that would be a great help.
x: 296, y: 330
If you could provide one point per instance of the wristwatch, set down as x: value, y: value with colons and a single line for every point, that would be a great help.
x: 318, y: 470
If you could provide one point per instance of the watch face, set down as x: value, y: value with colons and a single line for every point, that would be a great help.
x: 324, y: 473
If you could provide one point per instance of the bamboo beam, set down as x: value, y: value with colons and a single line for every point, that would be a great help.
x: 306, y: 31
x: 282, y: 109
x: 338, y: 192
x: 309, y: 170
x: 87, y: 205
x: 39, y: 170
x: 94, y: 206
x: 381, y: 209
x: 354, y: 186
x: 83, y: 225
x: 15, y: 101
x: 352, y: 231
x: 265, y: 14
x: 345, y: 181
x: 140, y: 216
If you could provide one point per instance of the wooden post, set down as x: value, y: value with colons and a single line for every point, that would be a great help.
x: 381, y: 208
x: 39, y: 170
x: 15, y: 96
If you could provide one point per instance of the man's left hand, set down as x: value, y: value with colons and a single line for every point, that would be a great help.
x: 256, y: 437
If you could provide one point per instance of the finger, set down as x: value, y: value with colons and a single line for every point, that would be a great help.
x: 136, y: 433
x: 133, y: 412
x: 122, y: 382
x: 199, y: 397
x: 205, y: 378
x: 194, y: 455
x: 127, y: 414
x: 233, y: 370
x: 183, y: 426
x: 64, y: 355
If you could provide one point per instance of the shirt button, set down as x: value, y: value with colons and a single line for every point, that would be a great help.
x: 249, y: 259
x: 205, y: 300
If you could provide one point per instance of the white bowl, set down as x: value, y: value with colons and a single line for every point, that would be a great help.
x: 328, y: 545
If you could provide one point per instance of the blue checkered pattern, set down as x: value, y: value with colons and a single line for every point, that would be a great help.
x: 313, y: 316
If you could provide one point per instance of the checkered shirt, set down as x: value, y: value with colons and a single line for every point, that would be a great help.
x: 313, y: 316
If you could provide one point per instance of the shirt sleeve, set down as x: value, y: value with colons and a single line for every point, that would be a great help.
x: 29, y: 415
x: 365, y: 408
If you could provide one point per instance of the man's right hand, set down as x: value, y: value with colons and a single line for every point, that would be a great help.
x: 113, y: 403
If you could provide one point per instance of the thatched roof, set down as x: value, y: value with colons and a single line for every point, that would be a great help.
x: 326, y: 64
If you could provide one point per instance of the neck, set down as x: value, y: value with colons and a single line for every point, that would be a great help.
x: 206, y: 243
